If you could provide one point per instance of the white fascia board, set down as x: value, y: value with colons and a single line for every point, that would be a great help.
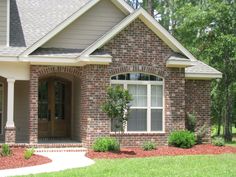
x: 96, y: 59
x: 54, y: 60
x: 46, y: 59
x: 177, y: 62
x: 203, y: 76
x: 151, y: 23
x: 123, y: 6
x: 60, y: 27
x: 8, y: 58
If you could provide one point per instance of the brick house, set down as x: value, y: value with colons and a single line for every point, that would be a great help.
x: 57, y: 57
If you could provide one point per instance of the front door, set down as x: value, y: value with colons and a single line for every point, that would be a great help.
x: 54, y: 108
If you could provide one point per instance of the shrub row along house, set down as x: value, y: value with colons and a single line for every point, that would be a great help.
x: 57, y: 58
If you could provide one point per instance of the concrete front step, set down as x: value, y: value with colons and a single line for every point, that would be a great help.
x: 80, y: 149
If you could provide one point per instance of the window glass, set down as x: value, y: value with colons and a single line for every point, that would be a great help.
x: 156, y: 120
x: 142, y: 112
x: 137, y: 120
x: 156, y: 96
x: 139, y: 95
x: 59, y: 100
x: 43, y: 100
x: 136, y: 77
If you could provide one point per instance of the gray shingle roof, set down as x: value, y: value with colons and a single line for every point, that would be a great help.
x: 201, y: 68
x: 57, y: 52
x: 33, y: 19
x: 38, y: 17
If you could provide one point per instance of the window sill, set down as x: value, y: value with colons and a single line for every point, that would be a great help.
x: 140, y: 133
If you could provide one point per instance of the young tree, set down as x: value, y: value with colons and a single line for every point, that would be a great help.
x: 117, y: 108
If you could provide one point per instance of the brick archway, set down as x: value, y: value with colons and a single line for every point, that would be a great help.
x: 35, y: 73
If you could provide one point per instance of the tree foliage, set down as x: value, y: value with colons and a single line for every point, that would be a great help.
x: 117, y: 107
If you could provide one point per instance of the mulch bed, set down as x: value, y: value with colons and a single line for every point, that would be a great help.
x: 16, y: 160
x: 162, y: 151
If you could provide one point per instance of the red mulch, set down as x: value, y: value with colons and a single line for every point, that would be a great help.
x: 16, y: 160
x: 162, y: 151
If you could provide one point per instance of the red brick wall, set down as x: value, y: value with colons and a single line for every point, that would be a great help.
x: 198, y: 100
x: 135, y: 49
x: 138, y: 49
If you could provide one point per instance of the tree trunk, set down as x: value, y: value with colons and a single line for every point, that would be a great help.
x: 149, y: 7
x: 219, y: 123
x: 228, y: 122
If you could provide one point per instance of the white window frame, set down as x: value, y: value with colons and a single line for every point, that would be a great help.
x: 149, y: 108
x: 2, y: 112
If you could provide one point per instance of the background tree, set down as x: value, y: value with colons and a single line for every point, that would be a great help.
x: 117, y: 108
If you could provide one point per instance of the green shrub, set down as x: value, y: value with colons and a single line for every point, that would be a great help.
x: 6, y: 150
x: 182, y: 139
x: 104, y: 144
x: 201, y: 133
x: 148, y: 146
x: 218, y: 141
x: 28, y: 153
x: 191, y: 122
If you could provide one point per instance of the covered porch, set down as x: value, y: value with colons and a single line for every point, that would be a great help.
x: 42, y: 111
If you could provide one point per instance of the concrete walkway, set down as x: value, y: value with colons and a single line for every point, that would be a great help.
x: 60, y: 161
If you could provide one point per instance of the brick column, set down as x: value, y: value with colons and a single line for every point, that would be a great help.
x: 10, y: 130
x: 10, y: 135
x: 33, y: 106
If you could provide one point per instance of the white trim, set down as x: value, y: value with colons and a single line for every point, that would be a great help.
x: 69, y: 61
x: 8, y: 58
x: 148, y: 84
x: 10, y: 103
x: 203, y: 76
x: 137, y: 82
x: 178, y: 62
x: 149, y: 108
x: 8, y: 24
x: 151, y: 23
x: 120, y: 4
x: 2, y: 112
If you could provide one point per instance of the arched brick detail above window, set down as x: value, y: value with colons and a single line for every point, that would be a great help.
x: 44, y: 70
x: 137, y: 68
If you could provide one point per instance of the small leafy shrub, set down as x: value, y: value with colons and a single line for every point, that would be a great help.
x: 191, y: 122
x: 28, y: 153
x: 201, y: 133
x: 104, y: 144
x: 218, y: 141
x: 148, y: 146
x: 6, y: 150
x: 182, y: 139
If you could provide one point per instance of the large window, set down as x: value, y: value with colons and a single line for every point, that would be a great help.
x: 1, y: 107
x: 147, y: 106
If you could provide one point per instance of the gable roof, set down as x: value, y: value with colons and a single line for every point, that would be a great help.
x: 34, y: 22
x: 85, y: 6
x: 36, y: 18
x: 161, y: 32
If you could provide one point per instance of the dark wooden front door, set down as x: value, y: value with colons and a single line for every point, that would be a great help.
x: 54, y: 108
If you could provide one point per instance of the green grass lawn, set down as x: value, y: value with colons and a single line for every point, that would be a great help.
x: 179, y: 166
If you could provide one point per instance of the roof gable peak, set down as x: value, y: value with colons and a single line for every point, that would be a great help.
x: 151, y: 23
